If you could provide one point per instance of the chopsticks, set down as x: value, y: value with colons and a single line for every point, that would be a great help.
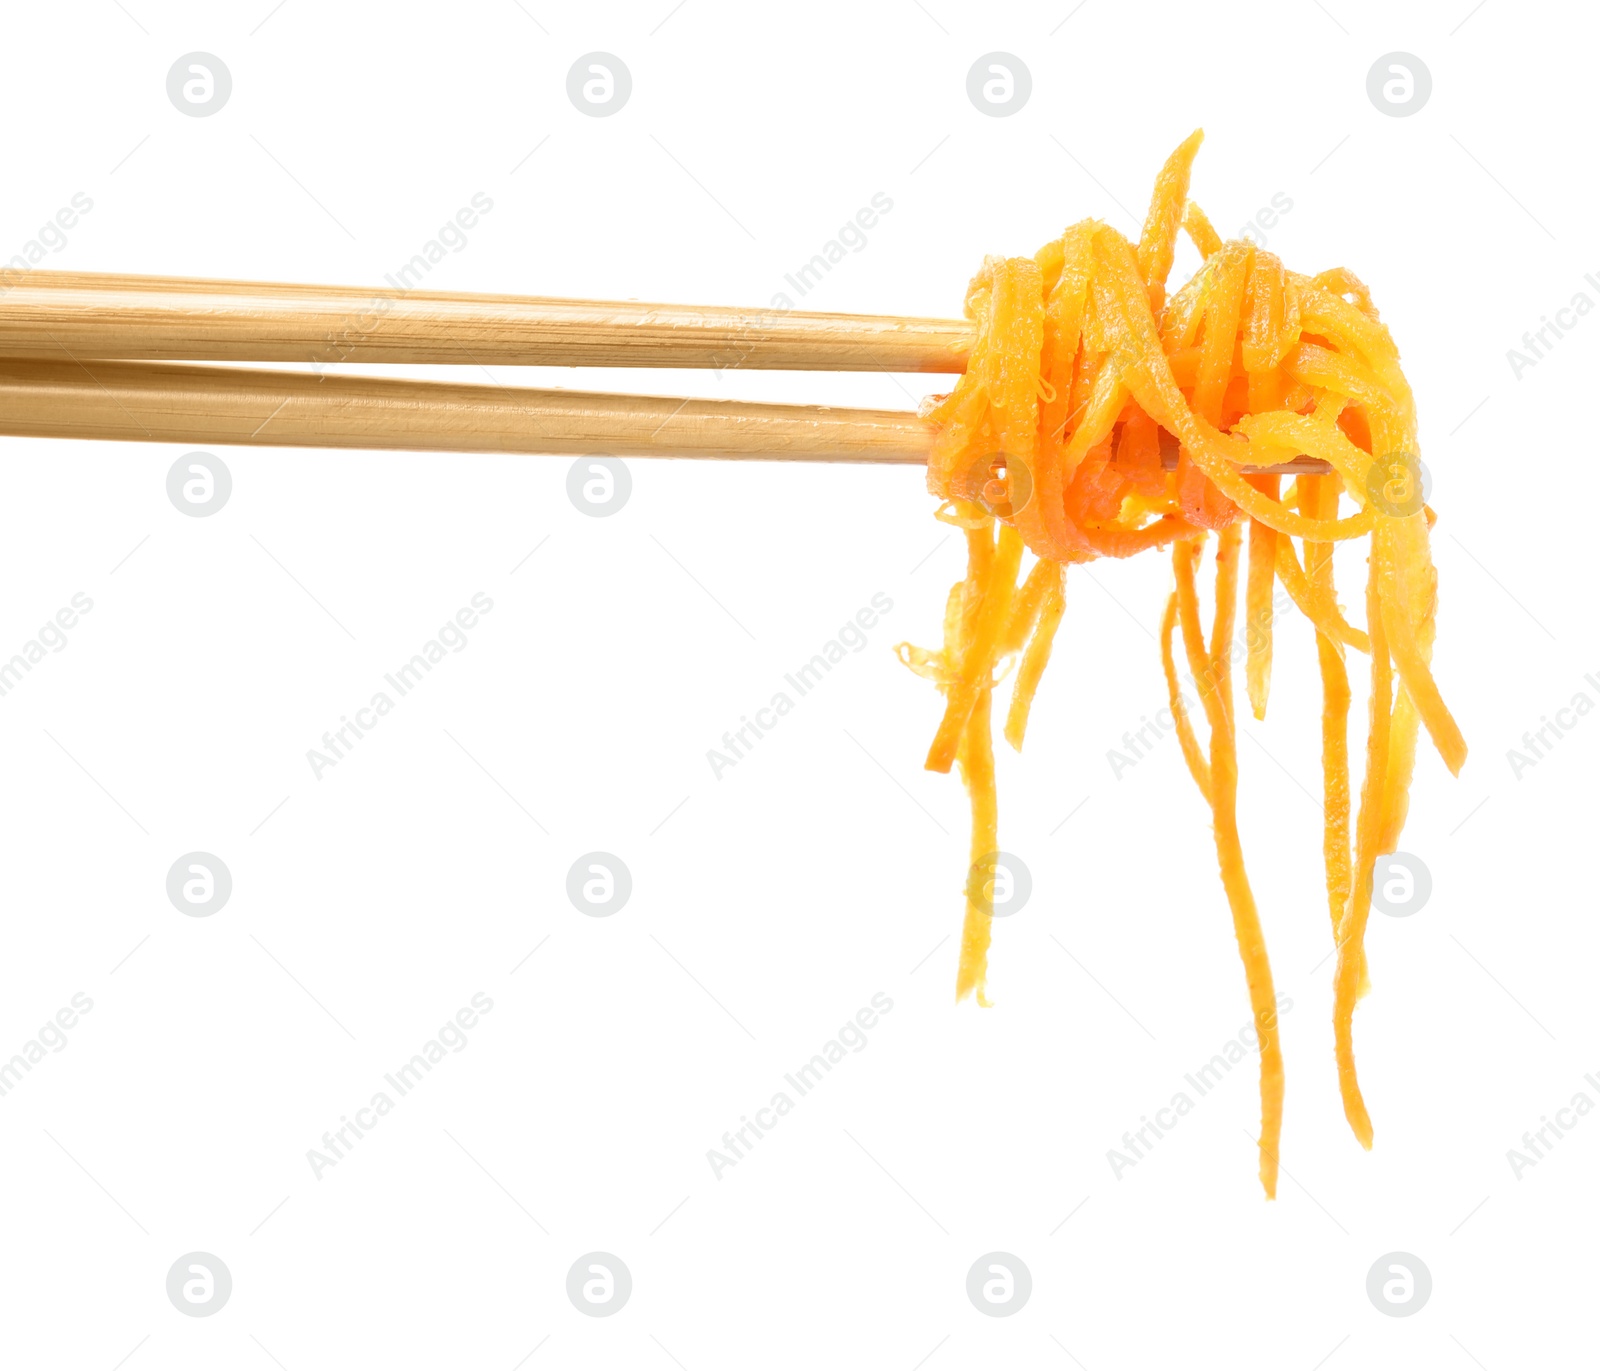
x: 48, y: 315
x: 165, y: 403
x: 91, y: 356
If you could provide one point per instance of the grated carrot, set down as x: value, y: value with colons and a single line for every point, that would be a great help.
x: 1084, y: 369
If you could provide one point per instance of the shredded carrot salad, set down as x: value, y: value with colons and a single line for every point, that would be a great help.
x: 1099, y: 416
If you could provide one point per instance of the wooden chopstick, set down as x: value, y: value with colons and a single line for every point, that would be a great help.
x: 165, y: 403
x: 51, y: 315
x: 208, y: 405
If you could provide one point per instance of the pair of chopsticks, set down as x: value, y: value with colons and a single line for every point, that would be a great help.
x: 123, y: 358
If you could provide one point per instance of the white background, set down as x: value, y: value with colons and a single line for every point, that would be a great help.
x: 770, y: 905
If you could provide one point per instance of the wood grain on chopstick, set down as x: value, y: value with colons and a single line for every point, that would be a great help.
x: 211, y: 405
x: 54, y: 315
x: 164, y: 403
